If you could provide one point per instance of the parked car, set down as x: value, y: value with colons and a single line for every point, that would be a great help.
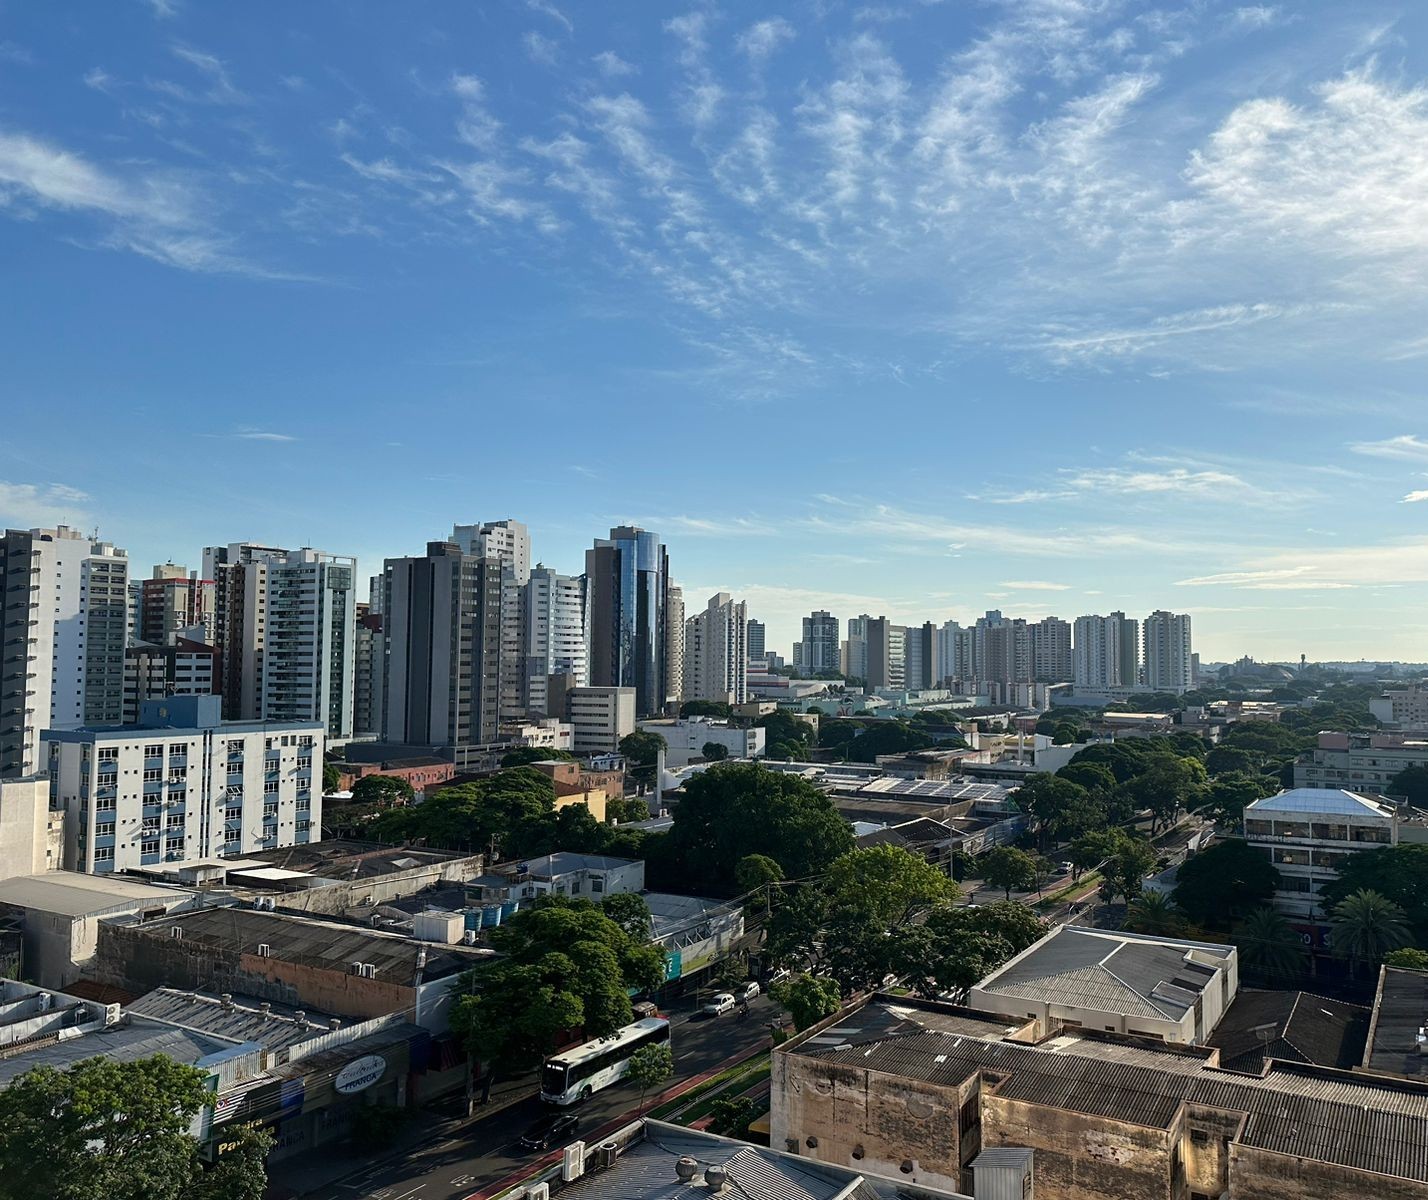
x: 748, y: 991
x: 723, y: 1002
x: 549, y: 1131
x: 1066, y: 868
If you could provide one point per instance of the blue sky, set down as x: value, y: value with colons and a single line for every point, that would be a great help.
x: 917, y: 308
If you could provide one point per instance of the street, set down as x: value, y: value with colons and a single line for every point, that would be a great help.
x: 462, y: 1156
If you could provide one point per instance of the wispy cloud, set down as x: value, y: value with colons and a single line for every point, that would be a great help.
x: 545, y: 8
x: 1415, y: 497
x: 26, y: 505
x: 248, y: 434
x: 612, y: 66
x: 541, y: 49
x: 761, y: 39
x: 1406, y: 446
x: 1034, y: 585
x: 218, y: 87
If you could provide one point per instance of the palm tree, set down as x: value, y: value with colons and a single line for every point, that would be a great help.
x: 1365, y: 926
x: 1269, y: 948
x: 1154, y: 913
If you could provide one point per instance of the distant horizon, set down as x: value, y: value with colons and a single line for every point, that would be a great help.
x: 912, y: 309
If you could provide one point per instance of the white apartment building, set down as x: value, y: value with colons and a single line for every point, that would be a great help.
x: 1105, y: 651
x: 954, y: 652
x: 553, y: 633
x: 1167, y: 652
x: 687, y: 737
x: 1307, y: 832
x: 599, y: 718
x: 1001, y: 649
x: 184, y: 784
x: 716, y: 660
x: 1360, y: 762
x: 286, y: 623
x: 509, y: 543
x: 1402, y: 708
x: 855, y: 647
x: 64, y: 610
x: 674, y: 643
x: 1051, y: 656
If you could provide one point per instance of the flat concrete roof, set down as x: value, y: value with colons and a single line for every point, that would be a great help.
x: 74, y: 894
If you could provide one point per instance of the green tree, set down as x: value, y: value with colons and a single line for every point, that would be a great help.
x: 755, y: 871
x: 241, y: 1174
x: 958, y: 947
x: 1095, y: 777
x: 1168, y: 785
x: 887, y: 885
x: 1365, y: 926
x: 1047, y: 799
x: 649, y: 1067
x: 1399, y: 873
x: 731, y: 1116
x: 513, y: 808
x: 1407, y: 958
x: 331, y: 778
x: 1156, y: 914
x: 524, y: 756
x: 622, y: 809
x: 1091, y: 849
x: 705, y: 708
x: 1220, y: 885
x: 630, y: 912
x: 887, y: 737
x: 1124, y: 871
x: 1412, y: 784
x: 117, y: 1130
x: 808, y: 998
x: 836, y: 734
x: 1228, y: 795
x: 382, y: 791
x: 1224, y: 760
x: 715, y: 751
x: 642, y: 749
x: 1270, y: 951
x: 733, y: 810
x: 785, y: 736
x: 1008, y: 868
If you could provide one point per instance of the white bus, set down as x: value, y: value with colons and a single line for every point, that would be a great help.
x: 574, y: 1074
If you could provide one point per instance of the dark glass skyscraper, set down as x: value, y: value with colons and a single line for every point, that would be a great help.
x: 627, y: 585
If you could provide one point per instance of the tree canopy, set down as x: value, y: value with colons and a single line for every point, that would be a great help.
x: 1398, y: 873
x: 715, y: 751
x: 1412, y: 784
x: 110, y: 1130
x: 382, y: 790
x: 733, y: 810
x: 1224, y: 883
x: 704, y: 708
x: 523, y: 756
x: 808, y: 999
x: 1010, y: 869
x: 887, y: 737
x: 786, y: 738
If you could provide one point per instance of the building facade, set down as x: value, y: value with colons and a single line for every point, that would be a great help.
x: 507, y: 542
x: 442, y: 628
x: 1051, y: 656
x: 1106, y: 651
x: 173, y: 602
x: 1001, y: 649
x: 1360, y: 762
x: 674, y: 644
x: 553, y: 634
x: 757, y: 640
x: 716, y: 660
x: 599, y: 718
x: 63, y: 630
x: 179, y: 668
x: 820, y: 650
x: 1167, y: 653
x: 184, y: 784
x: 627, y: 582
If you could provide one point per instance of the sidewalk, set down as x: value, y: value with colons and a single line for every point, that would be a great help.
x: 326, y: 1166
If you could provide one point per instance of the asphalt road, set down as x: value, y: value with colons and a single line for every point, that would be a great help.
x: 463, y: 1157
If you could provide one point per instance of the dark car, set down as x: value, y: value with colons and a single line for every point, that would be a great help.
x: 549, y: 1131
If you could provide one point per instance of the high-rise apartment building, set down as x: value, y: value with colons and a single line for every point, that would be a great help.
x: 757, y: 638
x: 552, y: 634
x: 64, y: 602
x: 855, y: 648
x: 886, y: 651
x: 954, y: 653
x: 674, y: 644
x: 1167, y: 652
x: 175, y: 602
x: 287, y: 624
x: 509, y: 543
x: 716, y: 658
x: 627, y: 583
x: 1051, y: 650
x: 820, y: 649
x: 921, y: 650
x: 368, y: 657
x: 1001, y: 649
x: 441, y: 616
x: 180, y: 667
x: 183, y: 784
x: 1106, y: 651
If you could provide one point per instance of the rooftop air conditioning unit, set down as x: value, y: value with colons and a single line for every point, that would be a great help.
x: 470, y: 937
x: 369, y: 971
x: 572, y: 1165
x: 264, y: 950
x: 175, y: 931
x: 538, y: 1191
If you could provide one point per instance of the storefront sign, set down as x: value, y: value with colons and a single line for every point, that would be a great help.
x: 360, y: 1074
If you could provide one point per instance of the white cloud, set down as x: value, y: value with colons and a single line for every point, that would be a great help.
x: 548, y: 9
x: 541, y: 49
x: 163, y: 9
x: 763, y: 38
x: 612, y: 66
x: 1255, y: 16
x: 27, y: 505
x: 219, y: 89
x: 1415, y: 497
x: 1034, y: 585
x: 250, y: 434
x: 1407, y: 446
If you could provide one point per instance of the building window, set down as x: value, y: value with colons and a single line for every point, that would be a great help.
x: 597, y: 884
x: 104, y: 854
x: 104, y: 830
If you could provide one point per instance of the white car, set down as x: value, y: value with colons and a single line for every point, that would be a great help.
x: 722, y: 1003
x: 748, y: 991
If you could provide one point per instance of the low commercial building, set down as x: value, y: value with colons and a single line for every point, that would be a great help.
x: 693, y: 933
x: 1308, y: 832
x: 1398, y: 1025
x: 1402, y: 708
x: 564, y: 874
x: 916, y: 1091
x: 1360, y: 762
x: 299, y: 961
x: 60, y: 913
x: 599, y: 717
x: 1290, y: 1027
x: 31, y: 833
x: 1074, y: 978
x: 183, y: 783
x: 686, y: 739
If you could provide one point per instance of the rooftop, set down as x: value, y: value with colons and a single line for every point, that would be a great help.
x: 73, y: 894
x: 1325, y: 801
x: 127, y: 1041
x: 1130, y: 974
x: 645, y: 1170
x: 344, y: 860
x: 325, y: 945
x: 240, y: 1019
x: 1290, y: 1027
x: 1315, y: 1113
x: 563, y: 861
x: 1400, y: 1010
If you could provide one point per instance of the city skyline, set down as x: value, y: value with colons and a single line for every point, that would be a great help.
x: 1148, y: 288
